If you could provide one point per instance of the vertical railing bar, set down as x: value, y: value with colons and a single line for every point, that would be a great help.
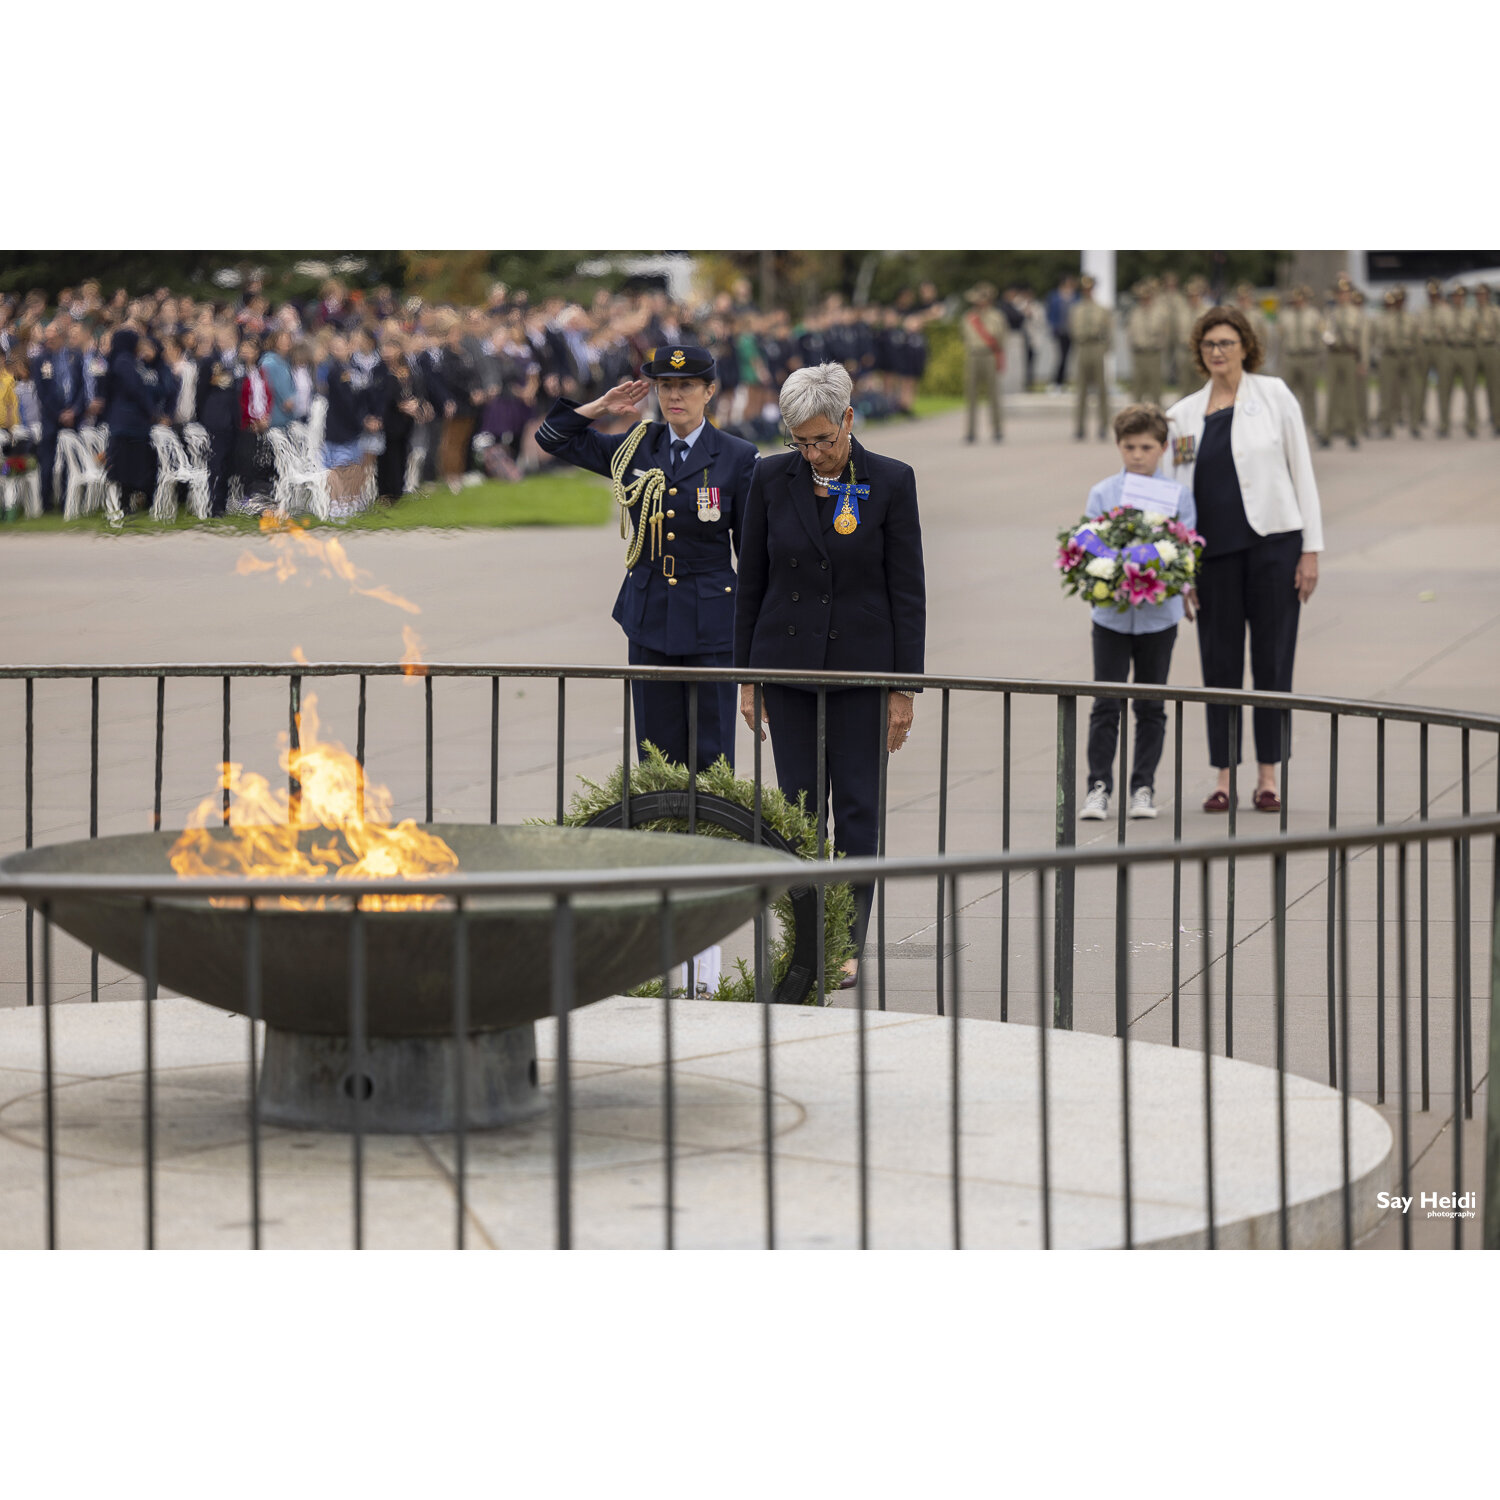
x: 1177, y: 883
x: 942, y: 844
x: 495, y: 747
x: 885, y: 718
x: 1422, y: 914
x: 624, y: 760
x: 294, y: 729
x: 562, y: 709
x: 862, y: 1118
x: 1043, y: 1022
x: 148, y: 986
x: 1286, y: 764
x: 49, y: 1103
x: 1283, y: 1163
x: 252, y: 1019
x: 1331, y: 925
x: 359, y: 743
x: 427, y: 704
x: 224, y: 751
x: 1347, y: 1188
x: 1123, y: 983
x: 956, y: 1061
x: 1466, y: 939
x: 669, y: 1101
x: 1236, y: 730
x: 768, y: 1100
x: 1122, y: 1003
x: 821, y: 781
x: 357, y: 1064
x: 1005, y: 879
x: 461, y: 1046
x: 161, y: 718
x: 1490, y: 1239
x: 757, y: 818
x: 1403, y: 1047
x: 692, y: 786
x: 1063, y: 885
x: 30, y: 786
x: 1458, y: 1045
x: 1208, y: 1050
x: 562, y: 1006
x: 94, y: 812
x: 1380, y: 913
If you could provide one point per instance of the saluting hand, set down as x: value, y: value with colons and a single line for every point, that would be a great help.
x: 622, y: 401
x: 747, y: 701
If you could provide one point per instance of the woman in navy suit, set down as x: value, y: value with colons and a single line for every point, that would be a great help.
x: 831, y: 579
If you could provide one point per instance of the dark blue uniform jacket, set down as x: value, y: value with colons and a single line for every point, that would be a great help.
x: 135, y: 394
x: 814, y: 600
x: 695, y: 615
x: 47, y: 371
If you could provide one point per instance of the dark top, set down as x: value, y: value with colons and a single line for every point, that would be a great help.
x: 1216, y: 491
x: 812, y: 599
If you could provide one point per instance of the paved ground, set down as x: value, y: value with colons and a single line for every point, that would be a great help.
x: 1406, y: 613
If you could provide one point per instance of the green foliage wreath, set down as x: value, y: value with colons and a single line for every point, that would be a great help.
x: 790, y: 819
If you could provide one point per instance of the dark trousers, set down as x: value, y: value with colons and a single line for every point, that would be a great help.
x: 855, y: 739
x: 1251, y: 588
x: 1115, y: 653
x: 1064, y: 343
x: 220, y: 467
x: 46, y: 461
x: 661, y: 708
x: 390, y: 468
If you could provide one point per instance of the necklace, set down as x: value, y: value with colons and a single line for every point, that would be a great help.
x: 826, y: 480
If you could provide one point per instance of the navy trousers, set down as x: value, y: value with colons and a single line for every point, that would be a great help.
x: 46, y: 459
x: 855, y: 740
x: 661, y: 708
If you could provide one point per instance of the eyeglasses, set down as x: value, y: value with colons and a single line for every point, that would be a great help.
x: 820, y: 445
x: 1218, y: 346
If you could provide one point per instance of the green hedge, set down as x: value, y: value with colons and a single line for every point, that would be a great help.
x: 945, y: 361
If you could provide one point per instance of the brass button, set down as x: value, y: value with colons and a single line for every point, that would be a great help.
x: 673, y: 582
x: 728, y: 588
x: 671, y: 492
x: 671, y: 513
x: 671, y: 536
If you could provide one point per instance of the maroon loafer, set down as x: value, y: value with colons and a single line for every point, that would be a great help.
x: 1267, y: 801
x: 1218, y: 803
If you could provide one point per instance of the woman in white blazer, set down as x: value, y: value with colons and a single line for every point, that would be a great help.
x: 1240, y: 445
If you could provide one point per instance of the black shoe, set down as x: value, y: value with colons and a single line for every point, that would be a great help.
x: 999, y: 437
x: 969, y: 438
x: 1324, y: 442
x: 1354, y: 442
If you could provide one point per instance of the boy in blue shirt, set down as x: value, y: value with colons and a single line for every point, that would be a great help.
x: 1141, y: 637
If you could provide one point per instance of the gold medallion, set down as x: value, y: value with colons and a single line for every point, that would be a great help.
x: 846, y: 520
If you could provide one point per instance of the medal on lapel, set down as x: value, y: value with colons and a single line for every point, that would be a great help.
x: 1182, y: 451
x: 708, y: 505
x: 846, y: 498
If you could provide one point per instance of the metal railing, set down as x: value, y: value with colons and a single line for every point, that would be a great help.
x: 1055, y: 940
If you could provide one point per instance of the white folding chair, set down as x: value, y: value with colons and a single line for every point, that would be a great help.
x: 86, y: 485
x: 300, y: 484
x: 200, y: 501
x: 171, y: 470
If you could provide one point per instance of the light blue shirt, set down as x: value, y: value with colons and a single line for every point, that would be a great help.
x: 1144, y: 618
x: 690, y: 439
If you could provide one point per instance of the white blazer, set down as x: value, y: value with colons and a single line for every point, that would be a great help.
x: 1271, y: 456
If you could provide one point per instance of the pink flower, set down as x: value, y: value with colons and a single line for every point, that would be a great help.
x: 1141, y: 586
x: 1069, y: 556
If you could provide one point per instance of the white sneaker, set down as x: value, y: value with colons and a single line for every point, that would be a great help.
x: 1095, y: 806
x: 1141, y: 805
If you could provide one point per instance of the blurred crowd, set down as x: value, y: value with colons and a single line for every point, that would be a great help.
x: 416, y: 394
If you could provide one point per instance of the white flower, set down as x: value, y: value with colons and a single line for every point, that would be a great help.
x: 1102, y: 567
x: 1188, y: 565
x: 1166, y: 550
x: 1154, y: 518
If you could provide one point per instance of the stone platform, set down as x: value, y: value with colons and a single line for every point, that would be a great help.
x: 202, y: 1180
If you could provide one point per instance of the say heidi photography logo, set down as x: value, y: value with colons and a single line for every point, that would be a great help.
x: 1438, y: 1205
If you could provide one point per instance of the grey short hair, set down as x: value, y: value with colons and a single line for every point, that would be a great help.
x: 816, y: 391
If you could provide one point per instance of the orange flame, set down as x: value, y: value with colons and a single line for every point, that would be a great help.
x: 412, y: 664
x: 289, y: 537
x: 361, y: 842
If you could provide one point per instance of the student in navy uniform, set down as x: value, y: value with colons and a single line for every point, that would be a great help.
x: 57, y: 374
x: 676, y: 608
x: 218, y: 412
x: 831, y: 579
x: 135, y: 405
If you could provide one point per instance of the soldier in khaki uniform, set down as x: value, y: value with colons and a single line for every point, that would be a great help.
x: 1244, y: 299
x: 1487, y: 332
x: 1195, y: 304
x: 1463, y: 341
x: 1300, y: 352
x: 1434, y: 354
x: 1174, y: 304
x: 984, y: 330
x: 1149, y: 329
x: 1346, y: 337
x: 1396, y: 351
x: 1090, y: 327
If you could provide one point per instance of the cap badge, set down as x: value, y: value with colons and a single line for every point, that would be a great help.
x: 678, y: 360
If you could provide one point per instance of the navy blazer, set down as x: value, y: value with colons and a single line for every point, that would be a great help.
x: 693, y: 616
x: 46, y: 371
x: 811, y: 599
